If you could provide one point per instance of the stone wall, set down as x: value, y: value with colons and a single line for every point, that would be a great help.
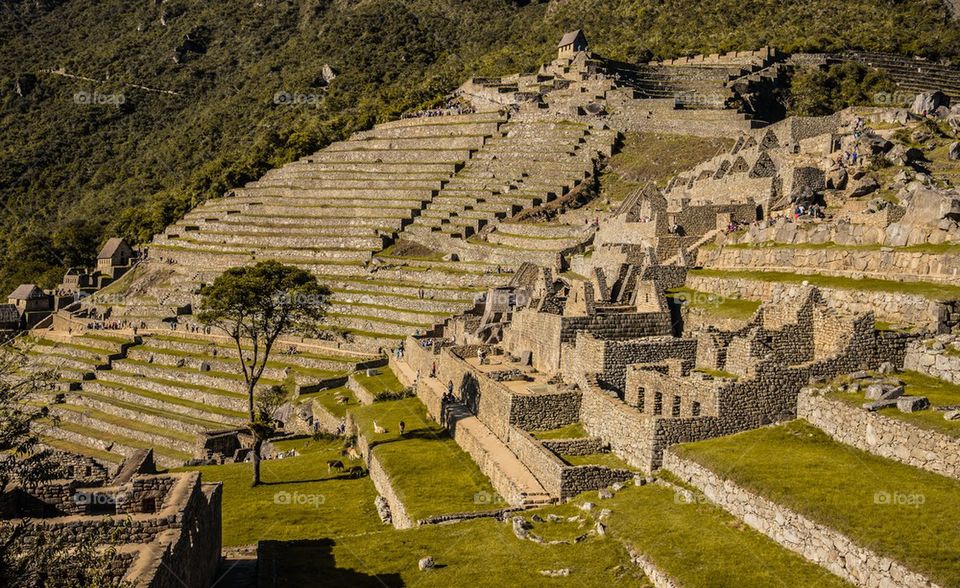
x: 609, y: 359
x: 881, y: 435
x: 817, y: 543
x: 587, y: 446
x: 936, y: 358
x: 887, y: 306
x: 881, y: 263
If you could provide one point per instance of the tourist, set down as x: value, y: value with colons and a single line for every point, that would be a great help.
x: 433, y: 370
x: 402, y: 426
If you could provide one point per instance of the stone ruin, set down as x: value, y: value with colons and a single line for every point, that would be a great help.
x: 165, y: 528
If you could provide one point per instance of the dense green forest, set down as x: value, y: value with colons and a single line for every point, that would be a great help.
x: 116, y: 117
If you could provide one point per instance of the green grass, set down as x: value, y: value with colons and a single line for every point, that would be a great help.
x: 327, y: 399
x: 608, y: 460
x: 81, y: 449
x: 175, y: 400
x: 383, y: 382
x: 924, y: 289
x: 129, y: 424
x: 715, y: 305
x: 940, y: 393
x: 430, y: 473
x: 571, y: 431
x: 330, y: 506
x: 802, y: 468
x: 702, y: 546
x: 937, y: 249
x: 656, y: 157
x: 716, y: 373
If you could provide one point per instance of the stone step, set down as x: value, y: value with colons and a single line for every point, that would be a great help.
x: 130, y: 428
x: 165, y: 402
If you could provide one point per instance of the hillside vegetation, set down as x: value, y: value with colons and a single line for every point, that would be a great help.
x: 117, y: 117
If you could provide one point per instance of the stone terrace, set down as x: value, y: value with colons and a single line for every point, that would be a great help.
x: 163, y: 390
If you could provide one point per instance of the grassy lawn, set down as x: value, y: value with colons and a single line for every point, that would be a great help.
x: 925, y: 289
x: 871, y: 500
x: 429, y: 471
x: 655, y: 157
x: 328, y: 400
x: 694, y: 542
x: 939, y: 392
x: 600, y: 459
x: 382, y: 381
x: 299, y: 499
x: 716, y: 305
x: 482, y: 552
x: 571, y: 431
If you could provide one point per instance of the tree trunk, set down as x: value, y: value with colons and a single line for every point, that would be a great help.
x: 257, y: 443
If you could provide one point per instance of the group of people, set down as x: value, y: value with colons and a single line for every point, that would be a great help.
x: 812, y: 211
x: 451, y: 109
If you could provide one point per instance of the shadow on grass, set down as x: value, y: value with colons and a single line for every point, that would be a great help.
x: 423, y: 434
x: 304, y: 563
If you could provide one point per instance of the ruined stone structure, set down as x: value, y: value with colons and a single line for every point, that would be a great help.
x: 165, y: 528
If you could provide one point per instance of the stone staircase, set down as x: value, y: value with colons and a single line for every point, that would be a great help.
x: 512, y: 480
x: 530, y: 164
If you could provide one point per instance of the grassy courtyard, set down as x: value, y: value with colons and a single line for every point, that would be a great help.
x: 940, y: 393
x: 429, y: 471
x: 895, y: 510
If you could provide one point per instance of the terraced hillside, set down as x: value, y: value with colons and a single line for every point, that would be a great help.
x: 438, y: 181
x: 162, y: 391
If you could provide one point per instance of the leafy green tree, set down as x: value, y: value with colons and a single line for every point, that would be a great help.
x: 257, y: 305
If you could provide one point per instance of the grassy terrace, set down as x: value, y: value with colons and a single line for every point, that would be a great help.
x: 129, y: 424
x: 693, y: 541
x: 939, y: 249
x: 940, y: 393
x: 715, y: 305
x: 383, y: 381
x: 320, y: 504
x: 690, y: 542
x: 327, y: 399
x: 431, y: 474
x: 925, y: 289
x: 123, y: 440
x: 228, y: 344
x: 154, y: 411
x: 81, y: 449
x: 174, y: 400
x: 571, y: 431
x: 608, y: 460
x: 878, y: 503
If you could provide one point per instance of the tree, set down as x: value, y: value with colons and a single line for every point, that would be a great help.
x: 258, y: 304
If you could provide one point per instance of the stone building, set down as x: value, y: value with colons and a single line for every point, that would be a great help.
x: 32, y: 303
x: 165, y: 528
x: 571, y: 43
x: 115, y: 258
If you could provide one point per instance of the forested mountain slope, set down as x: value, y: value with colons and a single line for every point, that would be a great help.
x: 117, y: 117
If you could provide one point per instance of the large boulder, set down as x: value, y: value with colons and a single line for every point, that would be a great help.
x: 837, y: 178
x: 903, y: 155
x: 953, y: 152
x: 867, y: 185
x: 928, y: 102
x: 873, y: 144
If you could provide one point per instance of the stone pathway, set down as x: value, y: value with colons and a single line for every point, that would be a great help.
x: 495, y: 459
